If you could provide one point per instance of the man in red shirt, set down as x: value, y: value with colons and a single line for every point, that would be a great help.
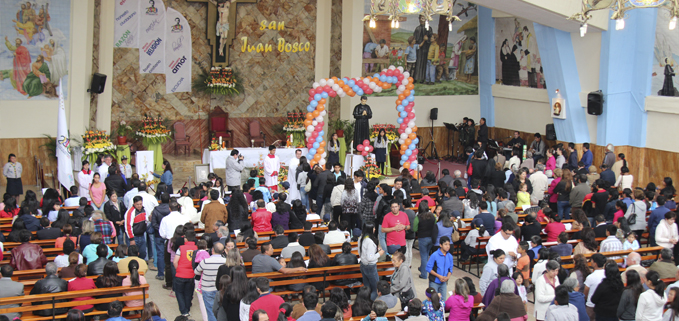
x: 395, y: 225
x: 183, y: 282
x: 261, y: 218
x: 267, y: 301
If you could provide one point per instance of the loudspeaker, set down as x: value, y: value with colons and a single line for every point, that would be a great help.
x: 551, y: 132
x: 595, y: 103
x: 98, y: 83
x: 434, y: 114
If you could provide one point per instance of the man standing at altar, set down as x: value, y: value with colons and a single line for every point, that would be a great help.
x: 234, y: 167
x: 272, y: 165
x: 294, y: 191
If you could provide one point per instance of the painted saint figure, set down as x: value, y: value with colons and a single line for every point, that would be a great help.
x: 21, y: 64
x: 222, y: 27
x: 668, y: 84
x: 362, y: 114
x: 421, y: 35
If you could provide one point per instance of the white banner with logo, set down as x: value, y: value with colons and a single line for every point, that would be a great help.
x: 151, y: 37
x: 177, y: 53
x: 126, y: 31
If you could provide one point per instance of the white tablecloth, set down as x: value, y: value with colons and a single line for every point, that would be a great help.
x: 253, y: 157
x: 358, y: 162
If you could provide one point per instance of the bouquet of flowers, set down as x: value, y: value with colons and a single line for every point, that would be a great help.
x: 220, y: 81
x: 214, y: 145
x: 371, y: 169
x: 391, y: 132
x: 96, y: 141
x: 123, y: 128
x: 282, y: 173
x: 150, y: 180
x: 153, y: 131
x: 294, y: 122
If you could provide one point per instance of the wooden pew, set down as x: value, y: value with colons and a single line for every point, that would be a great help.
x: 27, y: 309
x: 28, y: 284
x: 403, y: 315
x: 248, y: 265
x: 49, y: 253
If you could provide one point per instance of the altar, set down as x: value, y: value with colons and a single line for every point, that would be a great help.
x: 252, y: 157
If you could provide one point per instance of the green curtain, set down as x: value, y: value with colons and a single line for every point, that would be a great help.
x: 157, y: 157
x: 122, y: 150
x: 387, y: 166
x: 343, y: 150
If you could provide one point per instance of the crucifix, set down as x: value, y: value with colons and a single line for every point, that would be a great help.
x: 221, y: 27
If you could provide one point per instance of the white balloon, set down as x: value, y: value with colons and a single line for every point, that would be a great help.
x: 404, y: 81
x: 342, y: 94
x: 400, y: 169
x: 324, y: 155
x: 366, y: 80
x: 401, y: 141
x: 322, y: 82
x: 330, y: 82
x: 307, y: 134
x: 314, y: 123
x: 335, y: 87
x: 411, y: 124
x: 378, y: 89
x: 372, y: 85
x: 400, y: 68
x: 402, y: 88
x: 319, y: 119
x: 321, y: 162
x: 315, y: 85
x: 409, y: 130
x: 367, y: 148
x: 406, y: 74
x: 414, y: 118
x: 323, y: 113
x: 419, y: 167
x: 404, y: 136
x: 310, y: 128
x: 392, y: 67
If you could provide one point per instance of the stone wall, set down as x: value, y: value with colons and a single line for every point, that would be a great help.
x: 335, y: 53
x: 275, y: 82
x: 95, y: 61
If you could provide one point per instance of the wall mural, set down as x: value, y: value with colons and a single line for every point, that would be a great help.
x: 442, y: 60
x: 666, y: 56
x: 35, y: 53
x: 517, y: 60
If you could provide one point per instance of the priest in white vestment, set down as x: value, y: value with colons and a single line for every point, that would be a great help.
x: 272, y: 164
x: 294, y: 191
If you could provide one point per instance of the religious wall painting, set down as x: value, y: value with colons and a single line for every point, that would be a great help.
x: 559, y: 107
x: 665, y: 58
x: 454, y: 67
x: 34, y: 55
x: 517, y: 60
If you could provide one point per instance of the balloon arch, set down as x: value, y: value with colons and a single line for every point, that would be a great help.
x: 332, y: 87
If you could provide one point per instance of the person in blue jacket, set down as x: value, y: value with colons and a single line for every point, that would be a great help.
x: 440, y: 267
x: 167, y: 176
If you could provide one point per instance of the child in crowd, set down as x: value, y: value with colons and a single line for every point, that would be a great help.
x: 433, y: 307
x: 266, y: 194
x: 523, y: 196
x: 121, y: 253
x: 253, y: 176
x: 630, y: 242
x: 518, y: 278
x: 523, y: 264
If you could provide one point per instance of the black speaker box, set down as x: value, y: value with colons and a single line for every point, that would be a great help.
x: 434, y: 114
x: 98, y: 83
x: 551, y: 132
x: 595, y: 103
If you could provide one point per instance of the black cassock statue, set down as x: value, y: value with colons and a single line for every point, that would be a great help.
x: 362, y: 114
x: 668, y: 84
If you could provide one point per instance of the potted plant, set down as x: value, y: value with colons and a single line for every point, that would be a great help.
x: 122, y: 131
x: 340, y: 126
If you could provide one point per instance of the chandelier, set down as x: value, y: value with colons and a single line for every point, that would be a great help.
x: 428, y: 8
x: 620, y: 7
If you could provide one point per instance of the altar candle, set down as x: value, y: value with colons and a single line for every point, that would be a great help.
x: 220, y: 140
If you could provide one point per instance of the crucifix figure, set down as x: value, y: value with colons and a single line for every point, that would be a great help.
x: 221, y: 16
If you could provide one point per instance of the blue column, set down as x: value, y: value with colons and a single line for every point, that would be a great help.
x: 487, y: 64
x: 561, y: 72
x: 625, y: 78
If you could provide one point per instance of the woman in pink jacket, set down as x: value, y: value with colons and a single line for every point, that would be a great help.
x: 460, y: 303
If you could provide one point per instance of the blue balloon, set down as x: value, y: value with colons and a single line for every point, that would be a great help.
x: 313, y: 104
x: 324, y: 94
x: 317, y: 97
x: 404, y: 102
x: 317, y: 145
x: 404, y: 114
x: 400, y: 120
x: 404, y: 157
x: 402, y: 162
x: 345, y: 79
x: 383, y: 78
x: 408, y: 152
x: 352, y: 83
x: 415, y: 141
x: 360, y: 92
x: 413, y: 165
x: 411, y: 98
x: 412, y: 146
x: 412, y: 92
x: 311, y: 108
x: 312, y: 152
x: 376, y: 76
x: 320, y: 136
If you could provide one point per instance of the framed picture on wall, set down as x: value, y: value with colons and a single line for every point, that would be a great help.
x: 201, y: 171
x: 559, y: 108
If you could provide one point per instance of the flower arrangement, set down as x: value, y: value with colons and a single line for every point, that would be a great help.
x: 96, y: 141
x: 392, y: 133
x: 153, y: 131
x: 214, y: 145
x: 294, y: 122
x: 220, y: 81
x: 149, y: 179
x: 123, y: 128
x: 371, y: 169
x: 282, y: 173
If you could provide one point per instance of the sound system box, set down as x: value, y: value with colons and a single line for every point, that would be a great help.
x: 98, y: 83
x: 595, y: 103
x: 551, y: 132
x: 434, y: 114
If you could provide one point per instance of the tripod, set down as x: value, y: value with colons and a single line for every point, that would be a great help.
x: 433, y: 154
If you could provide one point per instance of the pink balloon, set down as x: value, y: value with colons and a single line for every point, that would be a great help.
x: 368, y: 91
x: 312, y: 92
x: 408, y: 109
x: 319, y: 90
x: 415, y: 151
x: 383, y: 73
x: 401, y: 131
x: 313, y: 136
x: 390, y: 72
x: 412, y: 157
x: 371, y: 149
x: 327, y: 88
x: 411, y: 104
x: 364, y: 153
x: 319, y: 128
x: 311, y: 140
x: 332, y: 93
x: 366, y: 142
x: 311, y: 98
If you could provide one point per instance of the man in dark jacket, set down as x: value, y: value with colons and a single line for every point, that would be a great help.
x: 607, y: 175
x: 96, y: 267
x: 50, y: 284
x: 47, y: 232
x: 478, y: 166
x: 319, y: 185
x: 451, y: 202
x: 32, y: 224
x: 159, y: 212
x: 27, y: 256
x: 281, y: 240
x: 345, y: 258
x: 482, y: 134
x: 115, y: 182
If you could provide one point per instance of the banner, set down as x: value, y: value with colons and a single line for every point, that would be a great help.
x: 126, y: 31
x: 151, y: 37
x: 144, y: 159
x: 64, y: 163
x: 177, y: 53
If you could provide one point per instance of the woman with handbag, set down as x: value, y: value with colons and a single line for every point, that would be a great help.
x: 636, y: 213
x: 401, y: 281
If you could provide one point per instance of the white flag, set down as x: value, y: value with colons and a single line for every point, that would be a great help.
x: 64, y: 164
x: 126, y: 31
x: 151, y: 37
x: 177, y: 53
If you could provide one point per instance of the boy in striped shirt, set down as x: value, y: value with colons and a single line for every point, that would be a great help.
x: 208, y: 268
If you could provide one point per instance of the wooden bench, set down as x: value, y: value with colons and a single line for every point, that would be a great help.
x: 403, y: 315
x: 27, y: 308
x: 248, y: 265
x: 28, y: 284
x: 49, y: 253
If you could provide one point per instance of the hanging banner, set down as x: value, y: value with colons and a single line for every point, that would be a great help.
x: 177, y: 53
x: 151, y: 37
x: 126, y: 31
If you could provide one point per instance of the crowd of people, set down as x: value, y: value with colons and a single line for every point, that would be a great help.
x: 161, y: 233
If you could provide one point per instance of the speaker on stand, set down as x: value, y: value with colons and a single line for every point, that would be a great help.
x: 550, y: 132
x: 98, y: 83
x: 433, y: 154
x: 595, y: 103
